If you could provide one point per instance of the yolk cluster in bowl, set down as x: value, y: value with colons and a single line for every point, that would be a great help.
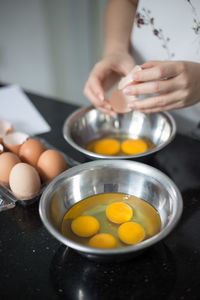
x: 119, y: 213
x: 111, y: 146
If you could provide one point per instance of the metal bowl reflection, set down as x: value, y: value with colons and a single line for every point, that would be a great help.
x: 107, y: 176
x: 87, y: 124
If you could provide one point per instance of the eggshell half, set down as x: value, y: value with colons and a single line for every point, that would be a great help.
x: 119, y: 101
x: 13, y: 141
x: 24, y: 181
x: 7, y: 161
x: 5, y: 128
x: 30, y: 151
x: 129, y: 79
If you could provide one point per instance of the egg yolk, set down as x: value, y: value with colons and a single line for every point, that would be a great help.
x: 131, y: 233
x: 133, y: 146
x: 103, y: 240
x: 85, y: 226
x: 107, y: 147
x: 119, y: 212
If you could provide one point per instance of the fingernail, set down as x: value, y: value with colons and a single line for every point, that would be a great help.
x: 125, y: 81
x: 101, y: 97
x: 112, y: 114
x: 137, y: 68
x: 107, y: 106
x: 132, y: 105
x: 135, y: 75
x: 127, y: 91
x: 133, y: 97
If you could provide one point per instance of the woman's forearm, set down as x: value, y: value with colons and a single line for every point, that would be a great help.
x: 118, y: 23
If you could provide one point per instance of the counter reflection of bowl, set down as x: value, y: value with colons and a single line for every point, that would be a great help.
x: 87, y: 124
x: 107, y: 176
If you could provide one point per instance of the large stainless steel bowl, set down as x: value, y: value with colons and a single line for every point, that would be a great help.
x: 106, y: 176
x: 88, y: 123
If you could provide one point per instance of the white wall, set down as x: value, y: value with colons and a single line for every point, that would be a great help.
x: 48, y: 47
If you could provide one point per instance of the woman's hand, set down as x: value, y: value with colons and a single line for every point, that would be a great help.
x: 103, y: 77
x: 170, y: 84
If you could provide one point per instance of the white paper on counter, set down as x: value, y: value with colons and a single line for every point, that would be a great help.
x: 16, y: 107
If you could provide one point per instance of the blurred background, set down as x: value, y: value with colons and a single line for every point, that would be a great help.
x: 48, y: 47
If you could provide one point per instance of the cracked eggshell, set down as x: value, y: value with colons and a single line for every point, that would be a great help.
x: 5, y: 128
x: 24, y: 181
x: 129, y: 79
x: 13, y: 141
x: 119, y: 101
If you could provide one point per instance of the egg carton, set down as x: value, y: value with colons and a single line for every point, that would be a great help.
x: 8, y: 200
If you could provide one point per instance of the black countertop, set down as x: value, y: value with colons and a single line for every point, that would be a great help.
x: 33, y: 265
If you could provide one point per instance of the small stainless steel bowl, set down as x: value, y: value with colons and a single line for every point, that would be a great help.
x: 88, y: 123
x: 107, y: 176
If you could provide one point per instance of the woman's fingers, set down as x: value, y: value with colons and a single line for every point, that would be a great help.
x: 128, y: 79
x: 95, y: 99
x: 157, y: 71
x: 153, y: 87
x: 94, y: 85
x: 158, y: 109
x: 160, y: 102
x: 103, y: 106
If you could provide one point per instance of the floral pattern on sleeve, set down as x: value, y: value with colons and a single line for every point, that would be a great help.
x: 144, y: 18
x: 196, y: 26
x: 196, y: 19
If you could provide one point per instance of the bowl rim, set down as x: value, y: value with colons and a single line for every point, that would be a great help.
x: 83, y: 110
x: 99, y: 164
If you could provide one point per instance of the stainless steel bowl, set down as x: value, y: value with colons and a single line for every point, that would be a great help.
x: 106, y: 176
x: 88, y: 123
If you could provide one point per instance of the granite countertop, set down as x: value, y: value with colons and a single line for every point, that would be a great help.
x: 36, y: 266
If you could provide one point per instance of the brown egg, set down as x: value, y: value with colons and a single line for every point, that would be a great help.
x: 50, y: 164
x: 7, y: 161
x: 24, y: 181
x: 14, y: 140
x: 30, y: 151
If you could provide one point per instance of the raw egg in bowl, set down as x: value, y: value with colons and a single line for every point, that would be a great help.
x: 110, y: 210
x: 132, y: 135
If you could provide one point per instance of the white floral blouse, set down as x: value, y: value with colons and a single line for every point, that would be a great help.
x: 169, y: 30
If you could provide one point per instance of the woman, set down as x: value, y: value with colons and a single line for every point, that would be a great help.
x: 163, y: 37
